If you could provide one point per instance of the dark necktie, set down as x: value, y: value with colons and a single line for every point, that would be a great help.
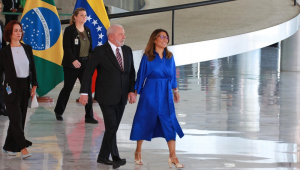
x: 119, y: 58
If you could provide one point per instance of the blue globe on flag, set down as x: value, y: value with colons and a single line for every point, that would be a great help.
x: 41, y: 28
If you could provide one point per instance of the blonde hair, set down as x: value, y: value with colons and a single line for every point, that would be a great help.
x: 75, y: 13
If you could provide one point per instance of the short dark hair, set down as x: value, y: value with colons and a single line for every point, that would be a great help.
x: 9, y: 30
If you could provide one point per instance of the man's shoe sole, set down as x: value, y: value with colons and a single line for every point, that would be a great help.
x: 104, y: 163
x: 114, y: 167
x: 93, y: 121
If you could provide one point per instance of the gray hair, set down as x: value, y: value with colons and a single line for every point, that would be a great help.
x: 112, y: 29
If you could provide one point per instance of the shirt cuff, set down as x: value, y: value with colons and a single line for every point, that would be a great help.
x: 84, y: 94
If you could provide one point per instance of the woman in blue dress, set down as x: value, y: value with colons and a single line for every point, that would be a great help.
x: 155, y: 115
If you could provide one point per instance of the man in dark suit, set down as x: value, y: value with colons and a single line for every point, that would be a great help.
x: 11, y: 6
x: 114, y: 85
x: 2, y: 44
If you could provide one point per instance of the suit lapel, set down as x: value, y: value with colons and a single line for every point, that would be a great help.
x: 28, y: 56
x: 125, y: 58
x: 26, y: 52
x: 112, y: 56
x: 10, y: 59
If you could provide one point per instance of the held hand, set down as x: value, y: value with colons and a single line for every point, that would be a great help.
x: 76, y: 64
x: 176, y: 97
x: 132, y: 97
x: 13, y: 10
x: 33, y: 92
x: 83, y: 99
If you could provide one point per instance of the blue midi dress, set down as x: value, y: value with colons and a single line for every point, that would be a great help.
x: 155, y: 115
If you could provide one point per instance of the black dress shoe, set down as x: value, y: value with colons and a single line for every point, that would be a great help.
x: 3, y: 112
x: 91, y: 120
x: 118, y: 162
x: 104, y: 161
x: 59, y: 117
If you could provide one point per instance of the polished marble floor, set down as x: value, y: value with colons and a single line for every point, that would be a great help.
x: 237, y: 112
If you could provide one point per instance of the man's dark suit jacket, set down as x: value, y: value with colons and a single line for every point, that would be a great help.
x: 8, y: 5
x: 7, y: 65
x: 112, y: 84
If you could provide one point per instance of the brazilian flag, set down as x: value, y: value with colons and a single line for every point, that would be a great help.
x: 42, y: 30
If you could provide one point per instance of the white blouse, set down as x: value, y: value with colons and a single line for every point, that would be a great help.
x: 21, y: 62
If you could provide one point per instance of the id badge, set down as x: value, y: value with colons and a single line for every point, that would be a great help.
x: 8, y: 89
x: 76, y: 41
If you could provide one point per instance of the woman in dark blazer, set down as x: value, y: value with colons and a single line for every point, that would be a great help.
x: 17, y: 63
x: 77, y: 45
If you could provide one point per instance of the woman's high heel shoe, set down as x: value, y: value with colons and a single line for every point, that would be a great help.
x: 178, y: 165
x: 10, y: 153
x: 26, y: 155
x: 139, y: 161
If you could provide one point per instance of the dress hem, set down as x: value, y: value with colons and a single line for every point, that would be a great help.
x: 151, y: 139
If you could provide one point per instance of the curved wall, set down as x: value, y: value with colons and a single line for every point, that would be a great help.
x: 128, y: 5
x: 223, y: 47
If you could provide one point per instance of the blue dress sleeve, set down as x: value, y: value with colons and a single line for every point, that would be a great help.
x: 141, y: 75
x: 174, y: 80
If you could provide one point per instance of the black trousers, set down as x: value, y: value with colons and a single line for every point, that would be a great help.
x: 17, y: 110
x: 112, y: 115
x: 71, y: 76
x: 9, y: 18
x: 2, y: 106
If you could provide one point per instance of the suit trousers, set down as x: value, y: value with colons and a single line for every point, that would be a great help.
x: 71, y: 76
x: 112, y: 115
x: 9, y: 18
x: 17, y: 110
x: 2, y: 106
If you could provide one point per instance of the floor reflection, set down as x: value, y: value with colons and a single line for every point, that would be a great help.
x: 244, y: 93
x: 237, y: 112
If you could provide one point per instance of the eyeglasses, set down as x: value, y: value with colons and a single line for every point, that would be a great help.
x: 163, y: 37
x: 82, y: 35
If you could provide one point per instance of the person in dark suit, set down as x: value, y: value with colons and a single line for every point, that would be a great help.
x: 114, y: 86
x: 17, y: 64
x: 77, y: 44
x: 11, y: 6
x: 2, y: 45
